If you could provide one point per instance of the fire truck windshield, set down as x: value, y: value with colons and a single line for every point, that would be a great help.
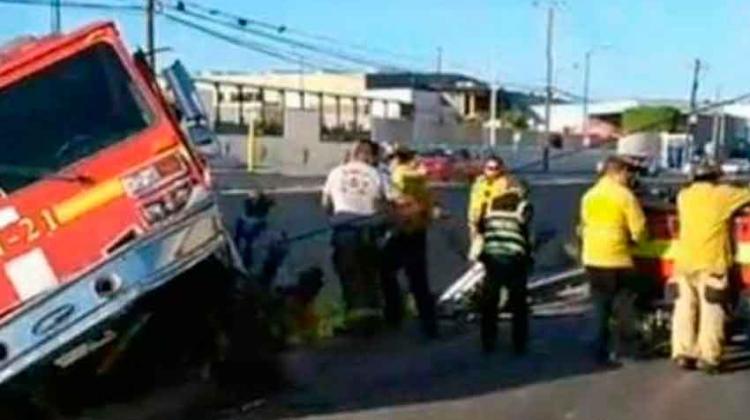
x: 66, y: 112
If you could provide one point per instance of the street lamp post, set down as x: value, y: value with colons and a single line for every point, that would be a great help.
x: 585, y: 122
x: 586, y: 85
x: 493, y: 115
x: 55, y: 16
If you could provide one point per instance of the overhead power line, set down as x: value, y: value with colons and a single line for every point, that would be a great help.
x: 242, y: 24
x: 268, y: 50
x: 77, y: 5
x: 253, y: 46
x: 357, y: 47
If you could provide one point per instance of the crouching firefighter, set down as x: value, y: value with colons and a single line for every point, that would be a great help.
x: 702, y: 262
x: 506, y: 254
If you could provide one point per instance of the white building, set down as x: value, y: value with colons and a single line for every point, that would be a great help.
x: 435, y: 105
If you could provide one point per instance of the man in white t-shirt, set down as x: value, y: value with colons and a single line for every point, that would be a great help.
x: 354, y: 188
x: 354, y: 196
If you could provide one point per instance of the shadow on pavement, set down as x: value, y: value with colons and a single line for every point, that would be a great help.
x: 399, y: 368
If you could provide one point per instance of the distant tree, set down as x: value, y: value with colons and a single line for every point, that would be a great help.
x: 514, y: 119
x: 651, y: 118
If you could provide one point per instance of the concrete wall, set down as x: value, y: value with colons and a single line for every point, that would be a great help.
x: 298, y: 153
x: 392, y: 131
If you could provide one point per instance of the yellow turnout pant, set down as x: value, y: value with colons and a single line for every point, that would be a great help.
x: 698, y: 318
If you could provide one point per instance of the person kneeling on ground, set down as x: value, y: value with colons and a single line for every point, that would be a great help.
x: 506, y: 255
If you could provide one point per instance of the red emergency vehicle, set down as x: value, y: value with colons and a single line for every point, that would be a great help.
x: 654, y: 258
x: 102, y: 197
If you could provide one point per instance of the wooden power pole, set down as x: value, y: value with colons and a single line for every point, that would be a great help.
x: 150, y: 48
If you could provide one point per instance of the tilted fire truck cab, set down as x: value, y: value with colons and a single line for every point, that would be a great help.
x: 102, y: 198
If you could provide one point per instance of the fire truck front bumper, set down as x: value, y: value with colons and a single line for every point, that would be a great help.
x: 58, y: 319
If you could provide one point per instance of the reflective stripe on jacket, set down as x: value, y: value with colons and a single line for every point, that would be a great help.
x: 506, y: 232
x: 484, y: 191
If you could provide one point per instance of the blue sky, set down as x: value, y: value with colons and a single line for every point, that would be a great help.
x: 653, y: 42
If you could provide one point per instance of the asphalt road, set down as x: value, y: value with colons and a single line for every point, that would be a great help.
x: 399, y: 375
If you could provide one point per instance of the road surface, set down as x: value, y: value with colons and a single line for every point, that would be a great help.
x: 399, y: 375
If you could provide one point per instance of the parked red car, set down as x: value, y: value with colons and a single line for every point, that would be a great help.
x: 440, y: 166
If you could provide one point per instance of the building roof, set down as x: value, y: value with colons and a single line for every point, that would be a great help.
x: 443, y: 82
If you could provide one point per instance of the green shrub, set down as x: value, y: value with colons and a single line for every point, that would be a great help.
x: 651, y: 118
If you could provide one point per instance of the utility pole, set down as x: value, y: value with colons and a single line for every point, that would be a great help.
x: 548, y: 98
x: 55, y: 16
x: 693, y: 119
x: 585, y: 122
x: 715, y: 127
x: 151, y: 49
x: 439, y: 60
x: 493, y: 114
x: 586, y: 94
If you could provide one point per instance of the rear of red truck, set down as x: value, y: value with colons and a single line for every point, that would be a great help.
x: 102, y: 197
x: 654, y: 258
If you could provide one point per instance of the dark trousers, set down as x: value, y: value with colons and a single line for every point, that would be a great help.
x: 407, y: 251
x: 605, y: 284
x: 355, y: 259
x: 510, y: 273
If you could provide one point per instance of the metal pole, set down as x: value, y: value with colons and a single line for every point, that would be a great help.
x: 548, y: 98
x: 493, y: 115
x: 151, y: 53
x: 440, y: 60
x: 721, y: 139
x: 55, y: 16
x: 585, y: 122
x: 241, y: 104
x: 715, y: 128
x: 693, y: 119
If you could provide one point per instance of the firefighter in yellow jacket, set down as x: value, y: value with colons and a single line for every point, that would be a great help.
x: 406, y: 248
x: 702, y: 260
x: 611, y: 222
x: 493, y: 183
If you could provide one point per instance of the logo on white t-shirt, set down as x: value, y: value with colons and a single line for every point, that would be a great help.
x: 355, y: 188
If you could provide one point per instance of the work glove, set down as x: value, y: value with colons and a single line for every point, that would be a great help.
x: 475, y: 247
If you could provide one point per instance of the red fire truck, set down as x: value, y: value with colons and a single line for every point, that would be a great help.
x: 103, y: 199
x: 654, y: 257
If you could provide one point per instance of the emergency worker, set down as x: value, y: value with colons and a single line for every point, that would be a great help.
x: 611, y: 222
x: 506, y: 255
x: 413, y: 205
x: 354, y: 195
x: 702, y: 261
x: 494, y: 181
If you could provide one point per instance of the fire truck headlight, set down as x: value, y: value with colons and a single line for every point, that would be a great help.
x: 141, y: 180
